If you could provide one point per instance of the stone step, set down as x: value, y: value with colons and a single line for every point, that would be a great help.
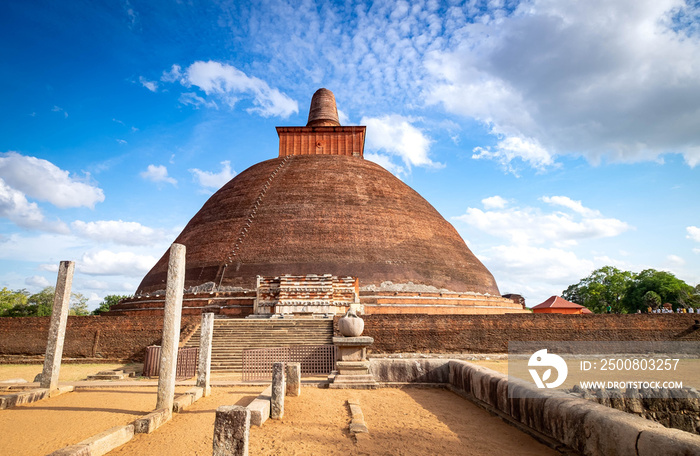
x: 232, y: 336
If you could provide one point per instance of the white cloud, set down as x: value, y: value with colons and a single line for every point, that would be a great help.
x: 150, y: 85
x: 214, y: 180
x: 119, y: 232
x: 693, y: 233
x: 494, y: 202
x: 158, y: 174
x: 49, y: 267
x: 675, y: 260
x: 530, y: 225
x: 229, y: 84
x: 37, y: 281
x: 192, y: 99
x: 395, y: 135
x: 385, y: 162
x: 44, y: 181
x: 105, y: 262
x: 508, y: 149
x: 59, y: 109
x: 568, y: 203
x: 14, y: 206
x: 122, y: 141
x: 535, y: 272
x: 174, y: 74
x: 609, y: 80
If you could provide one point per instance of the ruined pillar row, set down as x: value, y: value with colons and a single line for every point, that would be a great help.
x: 57, y: 327
x: 205, y: 344
x: 171, y: 328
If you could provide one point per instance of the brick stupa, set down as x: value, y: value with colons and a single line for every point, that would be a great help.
x: 321, y: 208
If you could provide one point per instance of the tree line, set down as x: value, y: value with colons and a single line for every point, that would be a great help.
x: 629, y: 292
x: 21, y: 303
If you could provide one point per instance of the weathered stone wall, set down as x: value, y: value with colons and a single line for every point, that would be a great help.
x: 116, y: 337
x: 491, y: 333
x: 678, y: 409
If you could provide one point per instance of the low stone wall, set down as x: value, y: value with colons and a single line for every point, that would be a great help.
x: 118, y: 337
x: 410, y: 370
x: 678, y: 409
x: 491, y: 333
x: 587, y: 427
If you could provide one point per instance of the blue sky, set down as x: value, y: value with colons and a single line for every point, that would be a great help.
x: 557, y: 137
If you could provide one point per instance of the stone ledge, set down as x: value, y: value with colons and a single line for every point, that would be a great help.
x: 152, y: 421
x: 187, y: 398
x: 357, y: 418
x: 581, y: 425
x: 34, y: 395
x: 260, y: 407
x: 99, y: 444
x: 359, y: 341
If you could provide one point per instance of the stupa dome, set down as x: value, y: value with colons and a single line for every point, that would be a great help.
x: 321, y: 208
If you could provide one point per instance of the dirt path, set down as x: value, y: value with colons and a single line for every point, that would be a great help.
x: 401, y: 422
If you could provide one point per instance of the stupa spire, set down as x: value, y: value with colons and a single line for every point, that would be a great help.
x: 323, y: 112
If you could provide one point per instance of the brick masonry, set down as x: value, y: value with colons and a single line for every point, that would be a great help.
x: 491, y: 333
x: 125, y: 337
x: 118, y: 337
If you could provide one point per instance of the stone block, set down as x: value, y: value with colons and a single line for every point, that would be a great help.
x: 410, y: 370
x: 670, y: 442
x: 352, y: 367
x: 260, y: 407
x: 106, y: 441
x: 357, y: 418
x: 152, y: 421
x: 278, y: 390
x: 231, y: 431
x: 99, y: 444
x: 609, y: 431
x: 72, y: 450
x: 23, y: 397
x: 187, y: 398
x: 293, y: 379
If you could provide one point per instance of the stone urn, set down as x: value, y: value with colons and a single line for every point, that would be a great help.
x: 351, y: 325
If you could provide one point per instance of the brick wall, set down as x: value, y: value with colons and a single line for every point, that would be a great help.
x: 491, y: 333
x: 119, y: 337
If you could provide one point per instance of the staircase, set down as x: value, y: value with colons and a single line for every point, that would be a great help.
x: 232, y: 336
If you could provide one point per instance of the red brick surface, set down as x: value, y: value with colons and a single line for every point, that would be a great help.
x: 88, y: 337
x: 323, y: 214
x: 491, y: 333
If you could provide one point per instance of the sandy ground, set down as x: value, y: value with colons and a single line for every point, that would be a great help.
x: 401, y: 422
x: 190, y: 432
x: 410, y: 421
x: 68, y: 372
x: 48, y: 425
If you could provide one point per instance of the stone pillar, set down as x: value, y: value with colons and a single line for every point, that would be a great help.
x: 293, y: 379
x: 278, y: 390
x: 231, y: 431
x: 204, y: 362
x: 57, y: 328
x: 171, y: 328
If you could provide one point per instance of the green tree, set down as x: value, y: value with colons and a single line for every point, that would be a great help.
x: 41, y: 304
x: 652, y: 299
x: 669, y: 288
x: 605, y: 287
x: 10, y: 299
x: 78, y: 305
x: 108, y: 302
